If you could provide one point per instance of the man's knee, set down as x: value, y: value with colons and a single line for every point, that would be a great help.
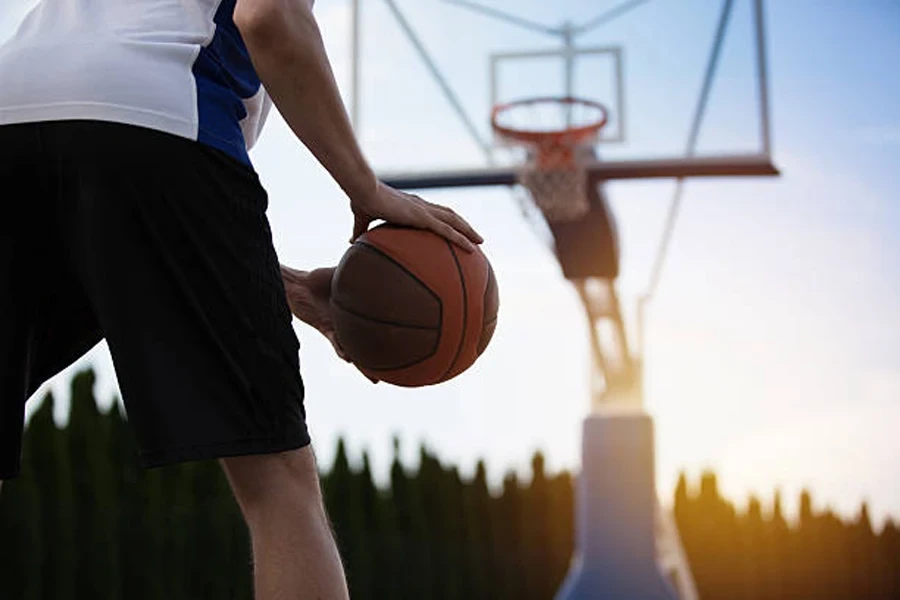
x: 268, y: 482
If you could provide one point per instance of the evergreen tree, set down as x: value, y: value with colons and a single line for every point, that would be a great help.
x: 370, y: 500
x: 862, y: 545
x: 717, y: 565
x: 214, y: 541
x: 835, y: 571
x: 389, y: 582
x: 681, y: 510
x: 506, y: 533
x: 478, y: 540
x: 752, y: 539
x: 119, y: 446
x: 53, y: 477
x: 456, y: 575
x: 241, y: 560
x: 806, y: 554
x: 561, y: 528
x: 535, y: 535
x: 687, y: 519
x: 344, y: 502
x: 889, y: 550
x: 412, y: 569
x: 777, y: 553
x: 438, y: 499
x: 378, y: 527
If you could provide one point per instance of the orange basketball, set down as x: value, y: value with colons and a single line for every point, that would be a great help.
x: 412, y: 309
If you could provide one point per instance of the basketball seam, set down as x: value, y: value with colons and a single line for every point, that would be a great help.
x: 384, y: 321
x: 439, y: 329
x: 465, y: 304
x: 398, y: 367
x: 402, y: 365
x: 487, y: 289
x: 492, y: 323
x: 431, y: 292
x: 400, y: 265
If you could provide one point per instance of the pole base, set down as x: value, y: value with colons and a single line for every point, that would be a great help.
x: 616, y: 514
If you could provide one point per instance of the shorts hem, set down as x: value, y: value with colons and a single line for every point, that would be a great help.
x: 245, y: 447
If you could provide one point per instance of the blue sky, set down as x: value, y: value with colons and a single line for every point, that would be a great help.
x: 773, y: 352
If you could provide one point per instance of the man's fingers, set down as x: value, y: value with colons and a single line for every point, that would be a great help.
x: 450, y: 234
x: 360, y: 225
x: 459, y: 224
x: 452, y: 218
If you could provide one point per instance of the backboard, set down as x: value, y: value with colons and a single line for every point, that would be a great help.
x: 685, y: 84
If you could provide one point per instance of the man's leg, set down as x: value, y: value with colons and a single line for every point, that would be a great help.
x: 184, y: 281
x: 294, y: 552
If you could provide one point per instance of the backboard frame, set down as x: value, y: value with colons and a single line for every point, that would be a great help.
x: 754, y: 163
x: 740, y: 165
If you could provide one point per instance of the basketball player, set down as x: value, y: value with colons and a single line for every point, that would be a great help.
x: 131, y: 212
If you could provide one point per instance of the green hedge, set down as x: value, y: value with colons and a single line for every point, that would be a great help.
x: 84, y: 522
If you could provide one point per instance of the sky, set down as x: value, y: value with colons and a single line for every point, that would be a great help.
x: 772, y: 343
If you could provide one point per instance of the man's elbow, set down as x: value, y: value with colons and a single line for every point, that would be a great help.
x: 255, y: 18
x: 264, y: 19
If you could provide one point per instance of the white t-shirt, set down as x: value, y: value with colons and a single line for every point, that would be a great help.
x: 177, y: 66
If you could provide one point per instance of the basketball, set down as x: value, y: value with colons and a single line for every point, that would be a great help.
x: 412, y: 309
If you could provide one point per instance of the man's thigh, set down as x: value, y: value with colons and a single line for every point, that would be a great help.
x: 171, y: 243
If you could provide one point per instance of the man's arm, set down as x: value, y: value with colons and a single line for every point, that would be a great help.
x: 289, y: 55
x: 287, y: 50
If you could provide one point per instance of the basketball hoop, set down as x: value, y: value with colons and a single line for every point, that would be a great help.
x: 556, y: 134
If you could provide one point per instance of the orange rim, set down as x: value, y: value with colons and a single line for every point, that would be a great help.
x: 569, y: 136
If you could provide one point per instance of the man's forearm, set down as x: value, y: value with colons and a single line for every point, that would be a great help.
x: 289, y: 55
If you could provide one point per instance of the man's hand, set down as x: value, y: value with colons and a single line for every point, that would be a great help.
x: 309, y: 296
x: 400, y: 208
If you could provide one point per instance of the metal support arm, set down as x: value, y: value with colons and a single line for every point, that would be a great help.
x: 613, y: 365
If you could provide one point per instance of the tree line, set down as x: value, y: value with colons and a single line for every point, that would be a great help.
x: 85, y: 522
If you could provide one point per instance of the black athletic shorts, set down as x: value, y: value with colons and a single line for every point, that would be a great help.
x: 160, y: 245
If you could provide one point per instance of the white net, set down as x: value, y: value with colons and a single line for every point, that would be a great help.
x: 560, y: 193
